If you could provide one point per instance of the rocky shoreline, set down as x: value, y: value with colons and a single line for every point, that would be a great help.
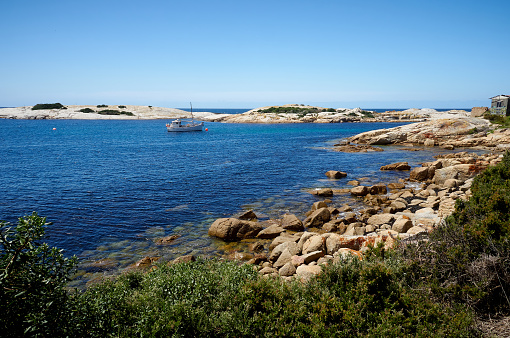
x: 290, y: 247
x: 461, y: 132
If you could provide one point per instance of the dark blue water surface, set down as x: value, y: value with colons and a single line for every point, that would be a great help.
x: 111, y: 187
x: 219, y: 110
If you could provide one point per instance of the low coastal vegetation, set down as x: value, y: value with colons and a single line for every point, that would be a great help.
x: 501, y: 120
x: 107, y: 111
x: 437, y: 287
x: 368, y: 114
x: 364, y: 113
x: 300, y: 111
x: 115, y: 112
x: 40, y: 106
x: 311, y: 111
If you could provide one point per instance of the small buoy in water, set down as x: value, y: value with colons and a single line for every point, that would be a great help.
x: 206, y: 129
x: 54, y: 128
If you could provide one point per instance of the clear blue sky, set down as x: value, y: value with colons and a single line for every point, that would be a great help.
x: 242, y: 54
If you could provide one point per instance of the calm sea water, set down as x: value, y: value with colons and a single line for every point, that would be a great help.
x: 112, y: 187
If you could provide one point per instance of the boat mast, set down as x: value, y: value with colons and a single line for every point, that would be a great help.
x: 192, y: 121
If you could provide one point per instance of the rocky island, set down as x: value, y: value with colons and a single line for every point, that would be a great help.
x: 100, y: 112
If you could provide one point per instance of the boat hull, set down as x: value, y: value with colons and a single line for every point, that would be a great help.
x: 184, y: 128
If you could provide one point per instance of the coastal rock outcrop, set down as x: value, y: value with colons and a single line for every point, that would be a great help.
x: 405, y: 215
x: 435, y: 131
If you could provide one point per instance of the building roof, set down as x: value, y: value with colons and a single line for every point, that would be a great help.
x: 500, y: 97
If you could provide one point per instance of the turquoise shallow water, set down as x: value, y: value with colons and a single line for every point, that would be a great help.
x: 111, y: 187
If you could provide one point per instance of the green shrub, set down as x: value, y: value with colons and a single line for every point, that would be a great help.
x: 86, y: 110
x: 502, y: 120
x: 102, y: 106
x: 122, y: 107
x: 467, y: 259
x: 301, y: 112
x: 32, y: 280
x: 213, y: 298
x: 367, y: 114
x: 48, y: 106
x: 189, y: 299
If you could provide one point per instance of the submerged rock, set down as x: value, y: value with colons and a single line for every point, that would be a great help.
x: 351, y: 148
x: 335, y: 174
x: 325, y: 192
x: 167, y: 239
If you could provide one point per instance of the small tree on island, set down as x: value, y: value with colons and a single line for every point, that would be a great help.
x: 40, y: 106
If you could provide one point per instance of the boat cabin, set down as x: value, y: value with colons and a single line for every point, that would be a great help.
x: 500, y: 105
x: 176, y: 124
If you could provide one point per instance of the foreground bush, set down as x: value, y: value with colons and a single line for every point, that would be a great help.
x: 212, y: 298
x: 467, y: 259
x: 32, y: 279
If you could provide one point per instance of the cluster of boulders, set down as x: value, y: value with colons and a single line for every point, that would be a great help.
x: 396, y: 211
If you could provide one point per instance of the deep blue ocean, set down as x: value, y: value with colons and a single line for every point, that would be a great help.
x: 111, y: 187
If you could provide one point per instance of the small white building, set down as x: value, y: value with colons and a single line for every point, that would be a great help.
x: 499, y: 105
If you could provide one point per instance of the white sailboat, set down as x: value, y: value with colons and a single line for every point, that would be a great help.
x: 179, y: 125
